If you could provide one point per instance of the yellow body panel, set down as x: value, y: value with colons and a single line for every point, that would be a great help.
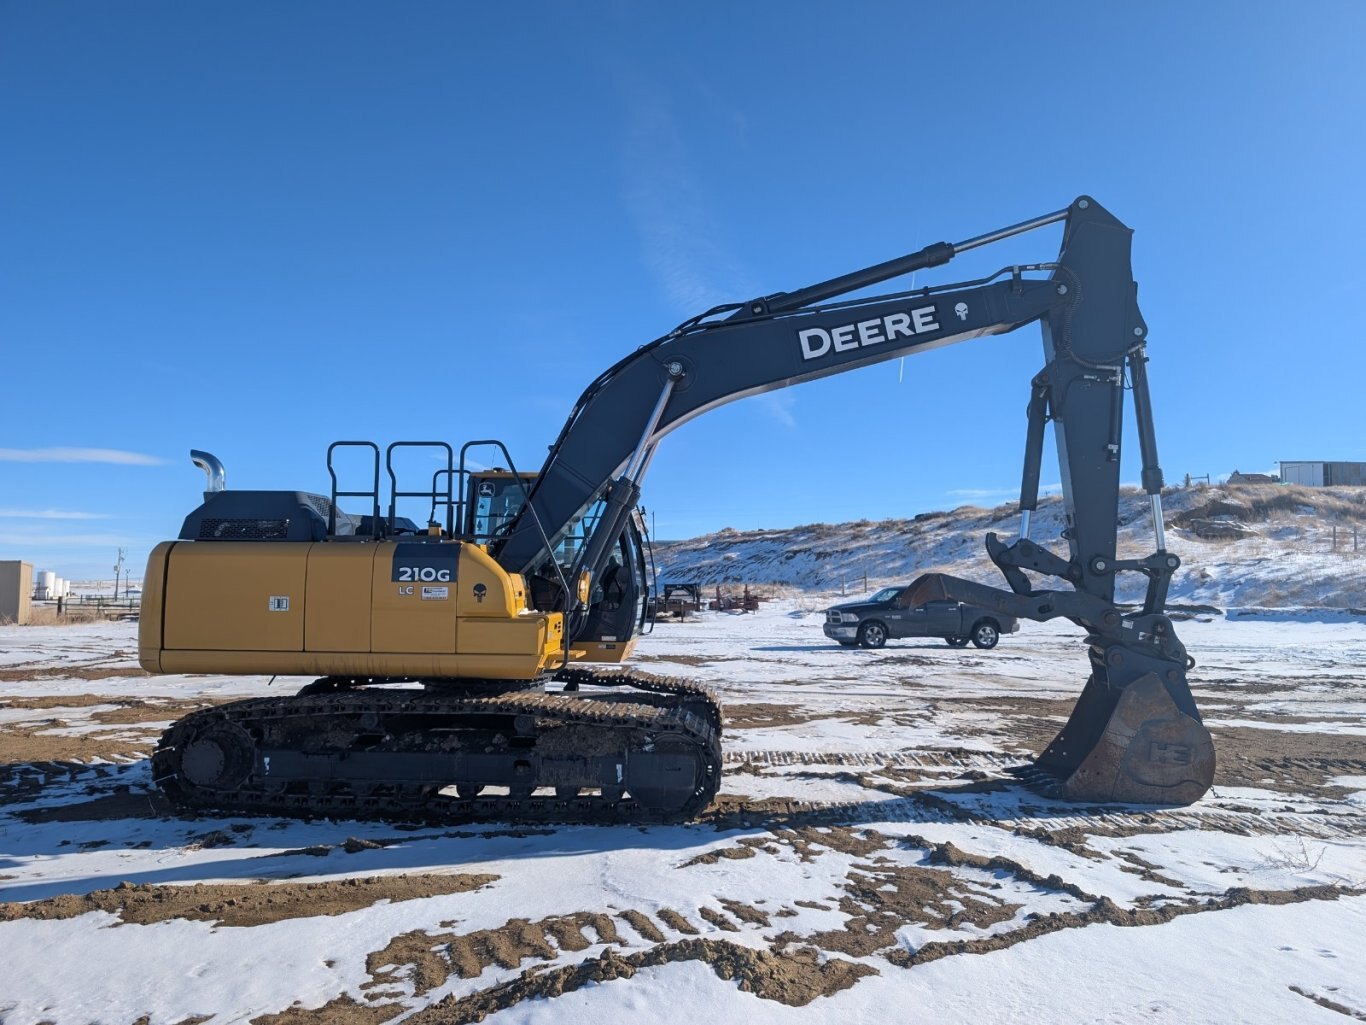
x: 150, y: 631
x: 486, y: 590
x: 337, y: 597
x: 235, y: 594
x: 411, y: 616
x: 341, y: 609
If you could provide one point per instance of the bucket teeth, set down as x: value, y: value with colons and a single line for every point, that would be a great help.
x: 1041, y: 781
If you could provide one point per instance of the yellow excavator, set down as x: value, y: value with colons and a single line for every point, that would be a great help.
x: 467, y: 667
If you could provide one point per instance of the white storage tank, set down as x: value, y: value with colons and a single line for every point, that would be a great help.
x: 45, y: 586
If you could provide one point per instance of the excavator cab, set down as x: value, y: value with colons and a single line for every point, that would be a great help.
x: 604, y: 630
x: 493, y: 499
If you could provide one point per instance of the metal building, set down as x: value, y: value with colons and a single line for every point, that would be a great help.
x: 1323, y: 474
x: 16, y: 584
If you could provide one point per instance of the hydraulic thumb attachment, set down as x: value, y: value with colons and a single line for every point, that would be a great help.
x: 1134, y: 735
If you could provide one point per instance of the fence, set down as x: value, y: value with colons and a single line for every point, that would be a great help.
x: 1350, y: 540
x: 98, y: 604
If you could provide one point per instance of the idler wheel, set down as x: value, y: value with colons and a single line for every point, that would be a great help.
x: 219, y: 756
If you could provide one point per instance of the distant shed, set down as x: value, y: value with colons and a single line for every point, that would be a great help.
x: 1252, y: 478
x: 16, y: 584
x: 1323, y: 474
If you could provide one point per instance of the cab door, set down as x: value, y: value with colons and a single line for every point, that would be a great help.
x: 942, y: 618
x: 904, y: 621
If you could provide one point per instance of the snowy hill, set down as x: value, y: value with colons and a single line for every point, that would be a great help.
x: 1240, y: 545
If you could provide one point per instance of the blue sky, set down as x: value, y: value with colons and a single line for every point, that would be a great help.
x: 256, y: 228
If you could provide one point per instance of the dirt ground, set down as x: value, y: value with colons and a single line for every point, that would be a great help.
x: 242, y: 904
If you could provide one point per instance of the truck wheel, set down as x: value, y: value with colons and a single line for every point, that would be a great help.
x: 957, y: 642
x: 872, y: 634
x: 986, y: 633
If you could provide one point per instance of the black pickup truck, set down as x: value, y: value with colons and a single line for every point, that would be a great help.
x: 887, y: 615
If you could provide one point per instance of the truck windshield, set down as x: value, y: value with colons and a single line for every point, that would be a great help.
x: 886, y: 594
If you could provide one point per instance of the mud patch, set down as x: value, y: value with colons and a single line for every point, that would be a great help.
x: 31, y: 744
x: 1072, y: 838
x: 744, y: 849
x: 642, y: 925
x: 342, y: 1011
x: 1145, y: 870
x: 1104, y: 911
x: 717, y: 919
x: 745, y: 912
x: 1021, y: 722
x: 948, y: 854
x: 730, y: 811
x: 910, y: 660
x: 861, y: 843
x: 879, y: 902
x: 44, y: 702
x: 244, y: 904
x: 128, y: 730
x: 756, y: 716
x: 1331, y: 1005
x: 1039, y: 708
x: 677, y: 922
x: 427, y: 960
x: 1286, y: 762
x: 795, y: 978
x: 686, y: 660
x: 85, y: 671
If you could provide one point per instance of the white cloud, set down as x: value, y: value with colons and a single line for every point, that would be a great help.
x: 49, y: 514
x: 678, y: 229
x: 780, y: 406
x: 78, y: 455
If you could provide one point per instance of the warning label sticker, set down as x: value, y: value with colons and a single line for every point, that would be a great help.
x: 435, y: 593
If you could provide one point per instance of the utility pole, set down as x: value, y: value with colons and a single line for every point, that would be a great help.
x: 118, y: 568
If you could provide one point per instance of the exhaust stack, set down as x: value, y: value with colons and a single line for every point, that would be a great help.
x: 213, y: 470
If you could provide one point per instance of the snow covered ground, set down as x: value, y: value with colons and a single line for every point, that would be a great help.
x: 867, y: 859
x: 1256, y: 546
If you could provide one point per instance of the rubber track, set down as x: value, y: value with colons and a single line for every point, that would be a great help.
x: 658, y: 705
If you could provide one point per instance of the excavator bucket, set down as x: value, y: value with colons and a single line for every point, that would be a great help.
x: 1132, y: 745
x: 1134, y: 742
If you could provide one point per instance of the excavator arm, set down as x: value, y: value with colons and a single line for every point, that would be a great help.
x: 1135, y: 734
